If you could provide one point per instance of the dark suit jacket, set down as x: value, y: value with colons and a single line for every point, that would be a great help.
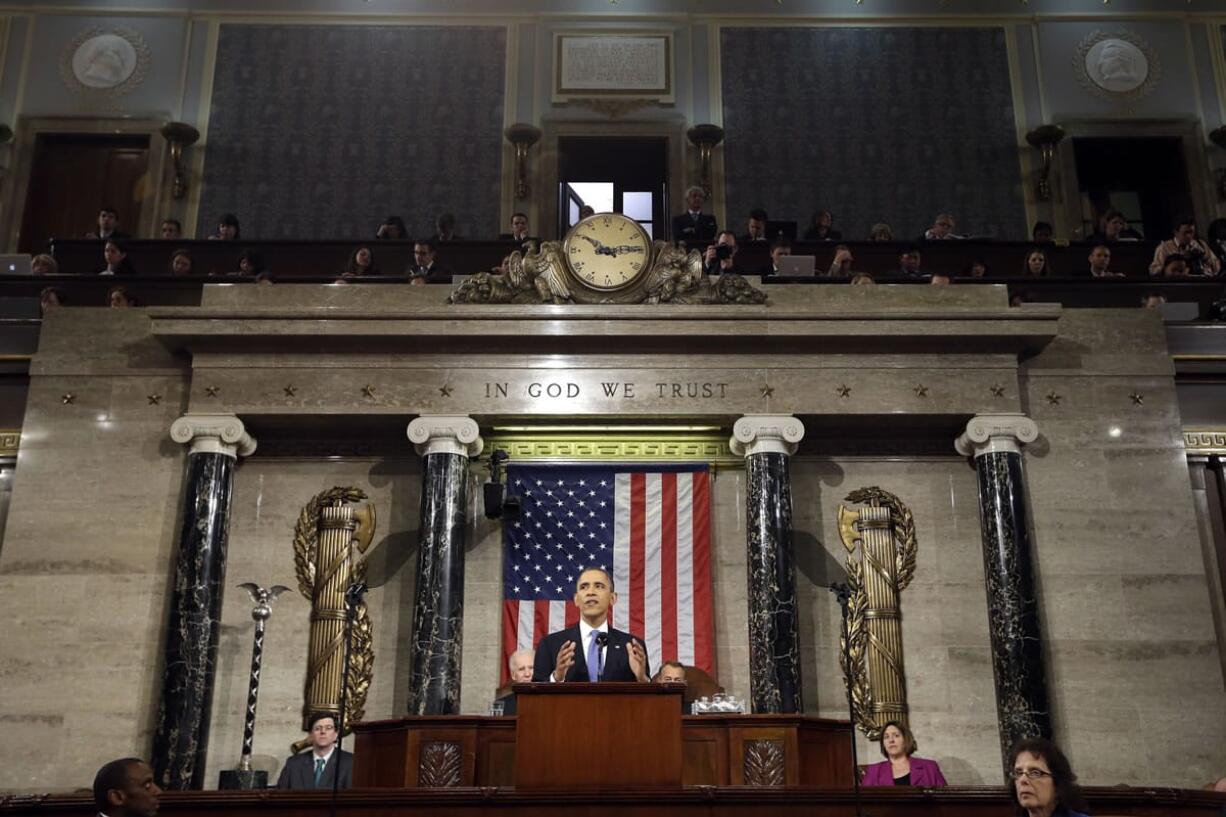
x: 616, y: 662
x: 299, y: 771
x: 684, y: 229
x: 748, y: 239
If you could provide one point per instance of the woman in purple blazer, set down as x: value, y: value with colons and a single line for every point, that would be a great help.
x: 900, y: 768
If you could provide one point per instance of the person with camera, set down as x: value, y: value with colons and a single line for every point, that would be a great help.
x: 1200, y: 259
x: 720, y: 257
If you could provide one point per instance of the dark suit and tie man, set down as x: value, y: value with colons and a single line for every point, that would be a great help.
x: 521, y: 665
x: 125, y: 788
x: 694, y: 225
x: 673, y: 672
x: 592, y: 650
x: 317, y: 768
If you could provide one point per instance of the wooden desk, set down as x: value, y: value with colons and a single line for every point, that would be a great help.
x: 716, y: 750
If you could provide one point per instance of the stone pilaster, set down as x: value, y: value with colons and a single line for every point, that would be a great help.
x: 767, y: 442
x: 995, y: 441
x: 446, y: 444
x: 181, y: 740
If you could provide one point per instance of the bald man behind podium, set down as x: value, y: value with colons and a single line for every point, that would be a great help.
x: 592, y: 650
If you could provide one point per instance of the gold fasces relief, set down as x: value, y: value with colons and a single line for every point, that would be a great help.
x: 330, y: 537
x: 881, y: 546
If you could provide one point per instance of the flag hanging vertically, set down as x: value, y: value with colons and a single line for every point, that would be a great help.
x: 648, y: 526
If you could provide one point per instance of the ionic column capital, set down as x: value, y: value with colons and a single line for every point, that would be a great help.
x: 996, y: 433
x: 446, y: 434
x: 766, y: 434
x: 213, y: 434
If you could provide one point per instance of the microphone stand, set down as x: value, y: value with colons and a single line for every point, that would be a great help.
x: 843, y: 593
x: 353, y: 597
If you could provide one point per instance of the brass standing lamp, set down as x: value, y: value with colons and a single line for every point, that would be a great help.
x: 705, y: 138
x: 1045, y: 138
x: 179, y: 135
x: 522, y: 136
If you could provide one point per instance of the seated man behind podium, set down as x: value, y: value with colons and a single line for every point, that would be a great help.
x: 316, y: 769
x: 673, y: 672
x: 591, y: 650
x: 520, y: 665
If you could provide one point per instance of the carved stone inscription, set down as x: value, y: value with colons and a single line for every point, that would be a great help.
x: 613, y: 389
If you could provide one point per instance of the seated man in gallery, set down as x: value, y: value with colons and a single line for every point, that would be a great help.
x: 520, y: 664
x: 125, y: 788
x: 317, y: 769
x: 519, y: 229
x: 605, y: 654
x: 755, y: 227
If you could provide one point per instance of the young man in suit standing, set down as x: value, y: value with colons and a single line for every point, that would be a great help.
x: 592, y: 650
x: 317, y: 769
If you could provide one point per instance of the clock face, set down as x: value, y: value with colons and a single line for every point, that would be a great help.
x: 607, y: 251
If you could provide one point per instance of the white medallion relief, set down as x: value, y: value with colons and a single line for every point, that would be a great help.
x: 1119, y: 66
x: 110, y: 61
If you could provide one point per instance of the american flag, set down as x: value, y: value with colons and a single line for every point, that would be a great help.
x: 649, y: 527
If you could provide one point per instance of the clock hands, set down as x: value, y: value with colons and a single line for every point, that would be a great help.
x: 621, y: 248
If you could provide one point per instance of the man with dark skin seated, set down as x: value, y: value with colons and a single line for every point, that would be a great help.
x: 591, y: 650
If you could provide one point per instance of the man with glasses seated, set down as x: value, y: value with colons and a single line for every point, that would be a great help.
x: 318, y: 768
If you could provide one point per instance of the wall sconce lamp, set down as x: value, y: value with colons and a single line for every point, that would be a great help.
x: 705, y: 138
x: 179, y: 135
x: 1218, y: 137
x: 523, y: 137
x: 1045, y: 138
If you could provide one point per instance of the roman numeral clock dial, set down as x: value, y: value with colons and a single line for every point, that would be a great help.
x: 607, y: 252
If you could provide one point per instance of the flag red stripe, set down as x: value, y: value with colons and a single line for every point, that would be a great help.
x: 510, y: 636
x: 668, y: 567
x: 638, y: 557
x: 704, y: 649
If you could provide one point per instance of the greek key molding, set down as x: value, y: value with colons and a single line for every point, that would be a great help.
x: 766, y: 434
x: 446, y: 434
x: 213, y: 434
x: 10, y: 441
x: 616, y: 447
x: 995, y: 433
x: 1205, y: 442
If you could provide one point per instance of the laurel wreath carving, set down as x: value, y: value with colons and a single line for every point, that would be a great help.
x: 855, y: 645
x: 306, y: 547
x: 439, y: 766
x: 764, y: 763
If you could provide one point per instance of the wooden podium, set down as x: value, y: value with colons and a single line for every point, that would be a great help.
x: 578, y: 736
x: 575, y: 736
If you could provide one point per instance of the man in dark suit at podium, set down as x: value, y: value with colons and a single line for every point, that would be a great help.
x: 592, y: 650
x: 317, y: 769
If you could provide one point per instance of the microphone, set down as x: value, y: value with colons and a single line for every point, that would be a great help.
x: 602, y: 641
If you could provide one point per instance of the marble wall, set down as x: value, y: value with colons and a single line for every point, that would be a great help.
x: 1132, y: 654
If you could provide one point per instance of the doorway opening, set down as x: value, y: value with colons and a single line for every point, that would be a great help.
x: 627, y: 175
x: 1145, y: 178
x: 73, y: 176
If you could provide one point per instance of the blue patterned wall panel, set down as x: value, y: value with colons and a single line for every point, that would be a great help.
x: 322, y: 131
x: 875, y: 124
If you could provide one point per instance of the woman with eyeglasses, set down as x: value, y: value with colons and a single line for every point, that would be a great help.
x: 900, y: 767
x: 1043, y: 782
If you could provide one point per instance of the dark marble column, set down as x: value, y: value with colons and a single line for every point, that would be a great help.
x: 1013, y: 611
x: 767, y: 442
x: 446, y: 444
x: 181, y: 740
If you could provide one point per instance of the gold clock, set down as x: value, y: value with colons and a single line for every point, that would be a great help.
x: 607, y: 252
